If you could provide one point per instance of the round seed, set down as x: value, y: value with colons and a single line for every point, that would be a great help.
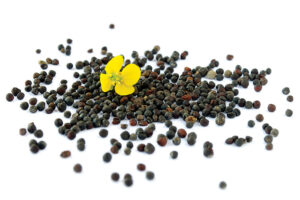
x: 150, y: 175
x: 271, y: 107
x: 274, y: 132
x: 107, y: 157
x: 269, y: 146
x: 58, y: 122
x: 10, y: 97
x: 42, y: 145
x: 251, y: 123
x: 20, y: 95
x: 111, y: 26
x: 38, y: 133
x: 173, y: 154
x: 103, y: 133
x: 268, y: 139
x: 229, y: 57
x: 288, y: 112
x: 31, y: 127
x: 290, y: 98
x: 259, y: 117
x: 38, y: 51
x: 115, y: 176
x: 220, y: 119
x: 286, y: 91
x: 162, y: 140
x: 222, y: 185
x: 34, y: 148
x: 77, y: 168
x: 32, y: 101
x: 24, y: 105
x: 128, y: 182
x: 141, y: 167
x: 176, y: 141
x: 149, y: 148
x: 22, y: 131
x: 181, y: 133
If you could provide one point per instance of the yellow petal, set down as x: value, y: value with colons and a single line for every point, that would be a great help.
x: 106, y: 83
x: 131, y: 74
x: 114, y: 65
x: 123, y: 89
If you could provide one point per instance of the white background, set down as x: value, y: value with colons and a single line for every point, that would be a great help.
x: 259, y: 34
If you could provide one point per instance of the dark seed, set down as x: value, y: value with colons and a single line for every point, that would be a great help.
x: 286, y: 91
x: 33, y: 101
x: 290, y: 98
x: 256, y: 104
x: 149, y: 148
x: 10, y: 97
x: 271, y: 107
x: 115, y: 176
x: 150, y: 175
x: 42, y: 145
x: 77, y: 168
x: 239, y: 142
x: 65, y: 154
x: 251, y: 123
x: 81, y: 146
x: 249, y: 139
x: 141, y: 167
x: 181, y: 133
x: 24, y: 105
x: 38, y: 51
x: 69, y: 41
x: 259, y: 117
x: 269, y: 146
x: 107, y: 157
x: 229, y: 57
x: 127, y: 151
x: 34, y: 148
x: 103, y: 133
x: 288, y: 112
x: 67, y: 114
x: 58, y: 122
x: 268, y: 139
x: 125, y: 135
x: 173, y: 154
x: 20, y: 95
x: 220, y: 119
x: 31, y: 127
x: 111, y: 26
x: 162, y: 140
x: 38, y: 133
x: 222, y: 185
x: 128, y: 182
x: 22, y: 131
x: 229, y: 140
x: 176, y: 141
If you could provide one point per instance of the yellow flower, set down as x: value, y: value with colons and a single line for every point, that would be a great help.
x: 124, y: 80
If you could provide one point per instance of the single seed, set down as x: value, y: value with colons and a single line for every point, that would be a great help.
x: 150, y: 175
x: 128, y: 182
x: 290, y: 98
x: 34, y: 148
x: 149, y: 148
x: 58, y: 122
x: 115, y: 176
x: 229, y: 57
x: 274, y: 132
x: 239, y: 142
x: 162, y: 140
x: 141, y: 167
x: 220, y: 119
x: 259, y: 117
x: 269, y: 146
x: 222, y: 185
x: 65, y: 154
x: 103, y: 133
x: 176, y: 141
x: 268, y: 139
x: 251, y: 123
x: 10, y: 97
x: 22, y: 131
x: 38, y: 51
x: 229, y: 140
x: 20, y: 95
x: 107, y: 157
x: 77, y: 168
x: 249, y: 139
x: 271, y: 107
x: 69, y: 41
x: 111, y: 26
x: 38, y: 133
x: 24, y: 105
x: 32, y: 101
x: 127, y: 151
x: 173, y: 154
x: 181, y: 133
x: 286, y: 90
x: 42, y: 145
x: 31, y: 127
x: 288, y: 112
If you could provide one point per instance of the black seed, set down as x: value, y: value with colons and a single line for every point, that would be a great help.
x: 128, y: 182
x: 251, y: 123
x: 10, y: 97
x: 24, y: 105
x: 111, y: 26
x: 290, y: 98
x: 222, y: 185
x: 31, y: 127
x: 69, y: 41
x: 286, y: 91
x: 77, y: 168
x: 38, y: 133
x: 69, y: 65
x: 67, y: 114
x: 150, y: 175
x: 103, y: 133
x: 34, y: 148
x: 149, y: 148
x: 15, y: 91
x: 41, y: 106
x: 107, y: 157
x: 173, y: 154
x: 42, y: 145
x: 20, y: 95
x: 33, y: 101
x: 58, y: 122
x: 115, y: 176
x: 129, y: 145
x: 81, y: 146
x: 288, y: 112
x: 249, y: 139
x: 168, y: 123
x: 239, y: 142
x: 38, y: 51
x: 125, y: 135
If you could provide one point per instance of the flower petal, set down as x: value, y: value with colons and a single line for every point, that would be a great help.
x: 123, y: 89
x: 106, y: 83
x: 131, y: 74
x: 114, y: 65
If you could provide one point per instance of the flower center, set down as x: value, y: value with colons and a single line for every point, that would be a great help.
x: 116, y: 77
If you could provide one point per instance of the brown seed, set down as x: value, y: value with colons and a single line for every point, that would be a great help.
x: 141, y: 167
x: 256, y: 104
x: 141, y: 147
x: 22, y: 131
x: 229, y: 57
x: 271, y: 107
x: 259, y: 117
x: 162, y: 140
x: 77, y: 168
x: 114, y: 149
x: 290, y: 98
x: 269, y: 146
x: 258, y: 88
x: 132, y: 122
x: 65, y: 154
x: 181, y: 133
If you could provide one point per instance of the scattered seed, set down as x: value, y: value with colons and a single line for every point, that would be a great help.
x: 77, y: 168
x: 141, y: 167
x: 115, y: 176
x: 269, y: 146
x: 286, y: 91
x: 65, y: 154
x: 251, y: 123
x: 22, y: 131
x: 259, y: 118
x: 107, y: 157
x: 150, y: 175
x: 222, y: 185
x: 290, y: 98
x: 288, y: 112
x: 9, y: 97
x: 173, y: 154
x: 271, y: 107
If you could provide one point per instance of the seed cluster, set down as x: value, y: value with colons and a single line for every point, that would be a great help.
x: 161, y: 95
